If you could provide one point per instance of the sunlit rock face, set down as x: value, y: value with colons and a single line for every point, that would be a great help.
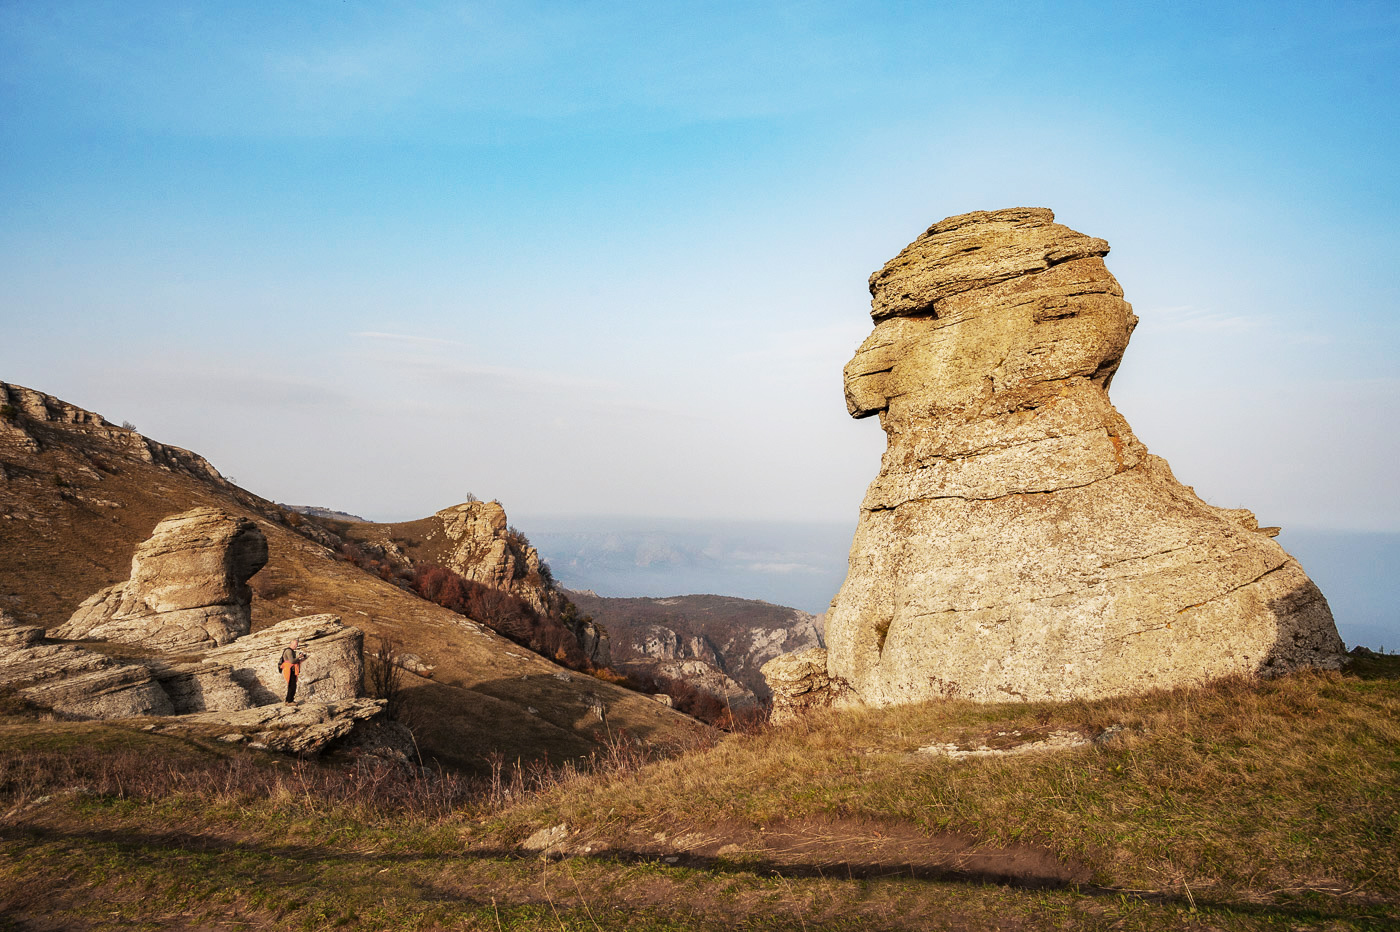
x: 1019, y: 542
x: 481, y: 547
x: 188, y: 588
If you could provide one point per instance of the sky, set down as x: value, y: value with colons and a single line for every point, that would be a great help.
x: 609, y: 258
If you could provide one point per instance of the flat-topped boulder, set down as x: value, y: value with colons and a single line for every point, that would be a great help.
x: 188, y: 588
x: 333, y: 670
x: 1019, y: 541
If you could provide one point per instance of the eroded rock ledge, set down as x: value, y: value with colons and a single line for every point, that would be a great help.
x: 1019, y: 541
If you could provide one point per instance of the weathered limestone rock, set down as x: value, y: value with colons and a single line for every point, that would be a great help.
x: 188, y: 588
x: 116, y: 690
x: 73, y: 681
x: 1019, y: 542
x: 480, y: 547
x: 303, y: 728
x: 799, y: 682
x: 333, y: 670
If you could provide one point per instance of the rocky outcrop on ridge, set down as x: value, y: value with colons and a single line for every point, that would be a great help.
x: 480, y: 546
x: 1019, y: 541
x: 475, y: 541
x: 188, y: 588
x: 20, y: 405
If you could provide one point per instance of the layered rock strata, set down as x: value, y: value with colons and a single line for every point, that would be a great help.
x: 188, y: 588
x: 73, y: 681
x: 245, y: 674
x: 241, y: 676
x: 1019, y: 541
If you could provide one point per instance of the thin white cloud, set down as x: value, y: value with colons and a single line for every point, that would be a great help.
x: 405, y: 338
x: 783, y: 568
x: 1189, y: 317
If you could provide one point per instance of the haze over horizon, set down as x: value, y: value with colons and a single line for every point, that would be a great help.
x: 611, y: 258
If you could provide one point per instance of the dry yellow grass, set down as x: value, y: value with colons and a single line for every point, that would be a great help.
x: 1240, y: 806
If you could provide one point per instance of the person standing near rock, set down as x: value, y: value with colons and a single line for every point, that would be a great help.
x: 290, y: 665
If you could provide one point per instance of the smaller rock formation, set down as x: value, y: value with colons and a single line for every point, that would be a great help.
x: 480, y: 546
x: 592, y: 638
x: 799, y: 682
x: 73, y: 681
x: 188, y: 588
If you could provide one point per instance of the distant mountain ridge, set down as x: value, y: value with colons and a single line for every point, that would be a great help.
x: 792, y: 563
x: 316, y: 511
x: 733, y: 636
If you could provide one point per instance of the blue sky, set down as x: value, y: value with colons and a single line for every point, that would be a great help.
x: 609, y: 258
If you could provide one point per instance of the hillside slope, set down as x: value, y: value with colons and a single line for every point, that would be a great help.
x: 77, y: 494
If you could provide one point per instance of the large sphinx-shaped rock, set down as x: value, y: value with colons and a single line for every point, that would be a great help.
x: 188, y: 588
x: 1019, y: 541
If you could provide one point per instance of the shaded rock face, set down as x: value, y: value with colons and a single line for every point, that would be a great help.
x: 1019, y: 542
x: 592, y: 639
x: 188, y: 588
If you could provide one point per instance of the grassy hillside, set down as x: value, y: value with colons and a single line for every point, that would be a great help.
x: 73, y: 511
x: 1240, y: 806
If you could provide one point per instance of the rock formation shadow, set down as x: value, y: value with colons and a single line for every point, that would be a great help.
x: 1030, y: 873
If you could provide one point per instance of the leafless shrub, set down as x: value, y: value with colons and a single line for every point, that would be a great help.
x: 386, y: 675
